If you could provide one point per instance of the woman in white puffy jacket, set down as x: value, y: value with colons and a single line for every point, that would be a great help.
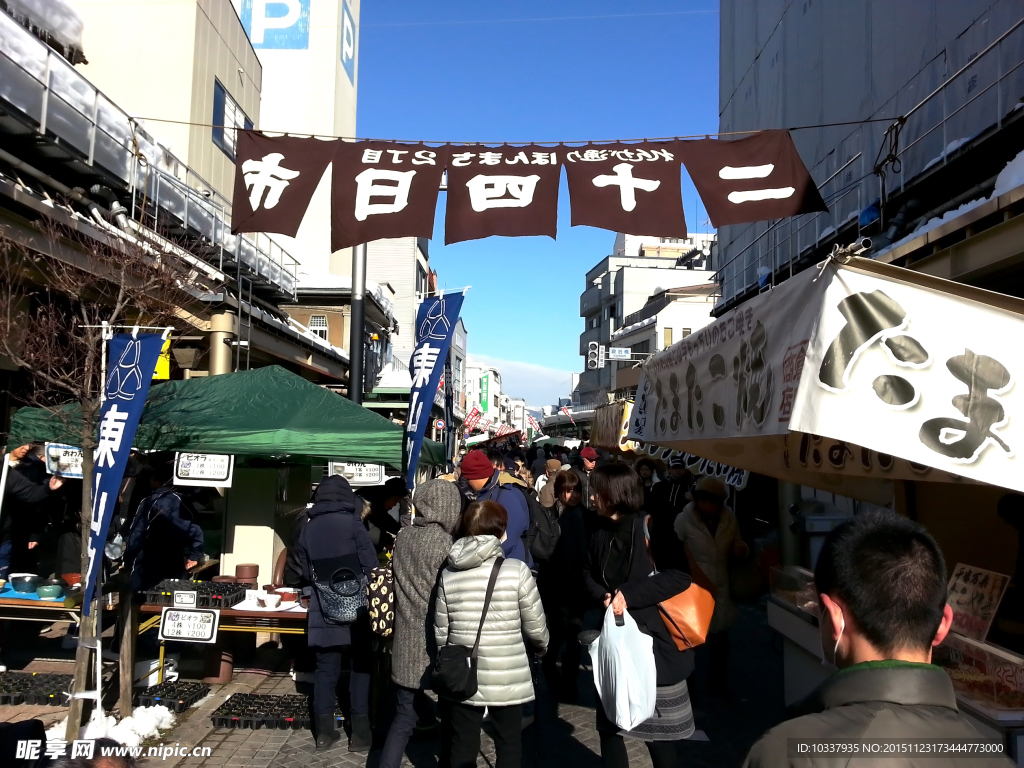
x: 504, y: 679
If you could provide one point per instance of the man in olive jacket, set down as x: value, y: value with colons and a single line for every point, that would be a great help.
x: 881, y: 582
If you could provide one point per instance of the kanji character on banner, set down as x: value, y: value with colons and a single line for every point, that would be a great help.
x: 275, y: 178
x: 753, y: 179
x: 626, y: 187
x: 504, y: 190
x: 384, y: 189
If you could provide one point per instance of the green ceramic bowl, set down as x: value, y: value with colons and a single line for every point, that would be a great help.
x: 49, y: 590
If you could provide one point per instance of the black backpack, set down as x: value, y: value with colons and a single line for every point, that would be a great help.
x: 542, y: 535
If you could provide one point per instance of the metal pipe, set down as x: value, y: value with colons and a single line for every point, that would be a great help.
x: 358, y: 322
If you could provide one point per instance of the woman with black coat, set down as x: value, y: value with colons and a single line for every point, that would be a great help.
x: 618, y: 572
x: 334, y: 537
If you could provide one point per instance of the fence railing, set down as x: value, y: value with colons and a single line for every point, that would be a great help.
x: 980, y: 93
x: 43, y: 94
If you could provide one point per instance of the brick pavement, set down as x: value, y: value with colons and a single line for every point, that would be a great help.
x: 562, y: 735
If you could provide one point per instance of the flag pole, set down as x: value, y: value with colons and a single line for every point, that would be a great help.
x: 358, y: 321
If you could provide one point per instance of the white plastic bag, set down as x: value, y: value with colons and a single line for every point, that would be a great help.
x: 624, y: 671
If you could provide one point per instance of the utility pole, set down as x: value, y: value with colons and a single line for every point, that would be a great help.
x: 357, y: 322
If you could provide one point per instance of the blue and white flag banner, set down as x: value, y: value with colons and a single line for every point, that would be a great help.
x: 435, y: 324
x: 131, y: 361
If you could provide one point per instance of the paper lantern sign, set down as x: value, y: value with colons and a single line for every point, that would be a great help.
x: 626, y: 187
x: 757, y: 178
x: 384, y: 189
x: 274, y: 181
x: 502, y: 191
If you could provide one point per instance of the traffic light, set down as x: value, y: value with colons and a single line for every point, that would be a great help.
x: 593, y: 353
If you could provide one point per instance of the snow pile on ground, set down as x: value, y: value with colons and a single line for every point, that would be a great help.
x: 144, y: 723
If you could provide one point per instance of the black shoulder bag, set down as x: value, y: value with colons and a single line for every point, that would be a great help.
x: 454, y: 671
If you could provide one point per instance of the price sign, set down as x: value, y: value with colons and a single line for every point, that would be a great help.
x: 212, y: 470
x: 197, y: 625
x: 358, y: 474
x: 186, y: 599
x: 974, y: 595
x: 64, y: 460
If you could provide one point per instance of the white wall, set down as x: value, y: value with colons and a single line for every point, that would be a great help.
x: 307, y: 90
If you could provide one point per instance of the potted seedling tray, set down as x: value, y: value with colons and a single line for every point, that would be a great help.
x: 209, y: 594
x: 255, y: 711
x: 34, y: 688
x: 177, y: 696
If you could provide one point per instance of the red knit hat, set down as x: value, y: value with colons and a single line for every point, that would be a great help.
x: 589, y: 454
x: 476, y: 466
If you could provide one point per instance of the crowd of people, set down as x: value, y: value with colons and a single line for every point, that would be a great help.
x: 514, y: 558
x: 468, y: 572
x: 471, y: 569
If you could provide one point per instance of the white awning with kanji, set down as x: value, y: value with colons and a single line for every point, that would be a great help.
x: 846, y: 377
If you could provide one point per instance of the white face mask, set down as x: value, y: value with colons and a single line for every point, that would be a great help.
x: 504, y: 536
x: 835, y: 651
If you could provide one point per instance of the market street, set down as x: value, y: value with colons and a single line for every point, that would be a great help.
x: 542, y: 384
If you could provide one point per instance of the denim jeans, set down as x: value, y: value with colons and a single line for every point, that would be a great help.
x: 329, y: 663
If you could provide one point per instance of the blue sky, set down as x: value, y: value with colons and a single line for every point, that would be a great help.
x: 571, y: 70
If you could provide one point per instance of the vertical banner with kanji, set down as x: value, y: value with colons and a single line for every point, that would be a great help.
x: 131, y: 361
x: 435, y: 324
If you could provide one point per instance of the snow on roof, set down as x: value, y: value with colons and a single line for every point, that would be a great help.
x: 311, y: 282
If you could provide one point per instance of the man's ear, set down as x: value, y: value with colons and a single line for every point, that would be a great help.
x: 944, y: 625
x: 835, y: 613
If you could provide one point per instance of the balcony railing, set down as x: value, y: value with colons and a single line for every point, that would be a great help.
x: 42, y: 95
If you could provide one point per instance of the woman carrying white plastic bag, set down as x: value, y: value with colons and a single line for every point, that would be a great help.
x: 624, y: 672
x: 619, y: 572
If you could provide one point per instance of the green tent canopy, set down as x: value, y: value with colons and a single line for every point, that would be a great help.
x: 267, y: 412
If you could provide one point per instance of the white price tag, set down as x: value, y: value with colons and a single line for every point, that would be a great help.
x: 197, y: 625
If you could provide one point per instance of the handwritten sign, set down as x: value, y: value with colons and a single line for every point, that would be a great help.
x: 358, y: 474
x: 197, y: 625
x: 64, y: 460
x: 974, y: 595
x: 211, y: 470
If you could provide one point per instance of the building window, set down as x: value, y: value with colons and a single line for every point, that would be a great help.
x: 318, y: 326
x: 684, y: 333
x: 457, y: 374
x: 593, y: 322
x: 668, y: 338
x: 228, y: 117
x: 496, y: 405
x: 607, y: 312
x: 421, y: 280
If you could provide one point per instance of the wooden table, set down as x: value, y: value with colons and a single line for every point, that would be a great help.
x: 48, y: 611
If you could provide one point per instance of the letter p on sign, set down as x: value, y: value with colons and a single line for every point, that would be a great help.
x: 280, y: 24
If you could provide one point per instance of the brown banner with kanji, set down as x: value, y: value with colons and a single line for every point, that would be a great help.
x: 275, y: 177
x: 503, y: 190
x: 384, y: 189
x: 752, y: 179
x: 626, y: 187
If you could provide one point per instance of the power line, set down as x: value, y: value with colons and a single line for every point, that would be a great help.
x: 559, y: 142
x: 541, y: 18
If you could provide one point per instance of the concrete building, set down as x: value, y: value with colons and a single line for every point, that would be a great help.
x: 667, y: 317
x: 953, y: 70
x: 620, y: 285
x: 171, y: 64
x: 310, y: 58
x: 458, y: 354
x: 483, y: 390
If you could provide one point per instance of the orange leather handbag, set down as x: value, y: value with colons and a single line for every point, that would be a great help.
x: 687, y: 615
